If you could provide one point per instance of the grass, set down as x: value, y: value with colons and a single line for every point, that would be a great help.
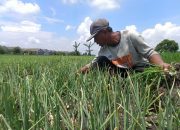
x: 44, y: 92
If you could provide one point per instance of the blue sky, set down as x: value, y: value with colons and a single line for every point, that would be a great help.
x: 57, y: 24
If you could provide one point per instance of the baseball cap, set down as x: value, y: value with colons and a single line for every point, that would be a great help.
x: 97, y: 26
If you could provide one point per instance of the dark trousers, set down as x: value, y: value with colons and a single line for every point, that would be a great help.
x: 104, y: 64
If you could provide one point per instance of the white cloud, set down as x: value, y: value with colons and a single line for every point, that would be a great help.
x: 33, y: 40
x: 83, y: 29
x: 3, y: 43
x: 70, y: 1
x: 83, y: 32
x: 44, y: 40
x: 131, y: 28
x: 53, y: 20
x: 24, y: 26
x: 18, y: 6
x: 98, y: 4
x: 105, y: 4
x: 69, y: 27
x: 160, y: 32
x: 27, y: 34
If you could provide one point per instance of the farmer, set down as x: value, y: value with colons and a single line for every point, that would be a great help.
x: 121, y: 51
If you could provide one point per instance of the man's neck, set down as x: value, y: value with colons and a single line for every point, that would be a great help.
x: 116, y: 37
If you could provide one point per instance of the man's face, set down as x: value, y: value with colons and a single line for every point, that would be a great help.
x: 101, y: 38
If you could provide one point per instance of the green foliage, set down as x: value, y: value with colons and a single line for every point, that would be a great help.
x: 2, y: 50
x: 44, y: 92
x: 170, y: 57
x: 167, y: 45
x: 16, y: 50
x: 74, y: 53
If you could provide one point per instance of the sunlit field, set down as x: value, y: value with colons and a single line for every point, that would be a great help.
x: 45, y: 93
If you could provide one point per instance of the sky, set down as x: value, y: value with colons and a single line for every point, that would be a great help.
x: 58, y: 24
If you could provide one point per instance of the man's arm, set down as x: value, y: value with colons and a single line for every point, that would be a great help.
x: 148, y: 52
x: 156, y: 59
x: 85, y: 69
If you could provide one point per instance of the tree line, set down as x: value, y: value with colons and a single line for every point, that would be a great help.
x: 35, y: 51
x: 164, y: 46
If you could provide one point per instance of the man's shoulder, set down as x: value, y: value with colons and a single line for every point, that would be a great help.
x: 130, y: 34
x: 126, y: 33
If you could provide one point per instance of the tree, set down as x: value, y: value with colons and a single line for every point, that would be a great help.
x: 16, y: 50
x: 167, y: 45
x: 76, y: 45
x: 89, y: 48
x: 3, y: 50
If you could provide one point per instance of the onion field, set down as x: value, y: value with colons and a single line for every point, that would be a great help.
x: 46, y: 93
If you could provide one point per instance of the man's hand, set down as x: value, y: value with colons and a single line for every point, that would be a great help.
x: 84, y: 69
x: 156, y: 59
x: 165, y: 66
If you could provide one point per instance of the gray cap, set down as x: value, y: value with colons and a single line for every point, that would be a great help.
x: 97, y: 26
